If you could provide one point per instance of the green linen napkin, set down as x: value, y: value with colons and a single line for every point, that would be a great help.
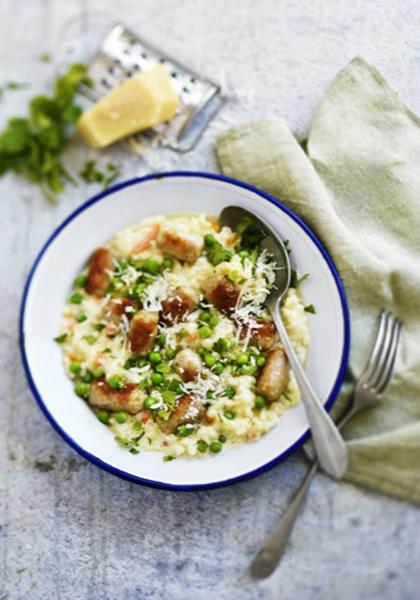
x: 358, y: 188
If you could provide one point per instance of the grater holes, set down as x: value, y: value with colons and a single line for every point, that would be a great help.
x: 144, y: 55
x: 193, y: 80
x: 136, y: 67
x: 174, y: 74
x: 162, y: 60
x: 105, y: 82
x: 186, y: 90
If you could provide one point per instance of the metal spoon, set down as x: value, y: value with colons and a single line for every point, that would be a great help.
x: 328, y: 443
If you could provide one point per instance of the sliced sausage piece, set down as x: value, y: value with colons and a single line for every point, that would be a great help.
x: 222, y: 293
x: 98, y: 275
x: 143, y: 330
x: 264, y: 334
x: 187, y: 409
x: 188, y: 364
x: 179, y: 303
x: 275, y: 375
x: 118, y: 307
x: 129, y: 398
x: 182, y: 244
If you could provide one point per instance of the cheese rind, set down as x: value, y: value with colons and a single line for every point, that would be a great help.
x: 143, y: 101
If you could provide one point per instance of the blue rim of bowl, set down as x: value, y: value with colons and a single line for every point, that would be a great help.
x: 149, y: 482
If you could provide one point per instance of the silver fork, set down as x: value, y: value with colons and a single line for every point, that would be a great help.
x: 368, y: 392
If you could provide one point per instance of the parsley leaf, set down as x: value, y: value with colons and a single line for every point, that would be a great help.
x: 32, y: 146
x: 310, y: 309
x: 91, y: 174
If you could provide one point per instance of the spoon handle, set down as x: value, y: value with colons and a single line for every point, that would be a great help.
x: 329, y: 445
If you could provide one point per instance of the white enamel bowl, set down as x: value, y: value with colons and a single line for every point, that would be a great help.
x: 63, y: 255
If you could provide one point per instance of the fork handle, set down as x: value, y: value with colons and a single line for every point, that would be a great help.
x: 272, y: 550
x: 329, y: 445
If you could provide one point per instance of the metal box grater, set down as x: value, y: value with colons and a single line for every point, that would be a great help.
x: 122, y: 54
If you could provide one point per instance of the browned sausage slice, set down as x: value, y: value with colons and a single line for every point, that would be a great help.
x: 179, y: 303
x: 188, y: 364
x: 143, y: 330
x: 275, y: 375
x: 187, y: 409
x: 222, y: 293
x: 181, y: 244
x: 118, y: 307
x: 98, y: 276
x: 264, y: 334
x: 129, y: 398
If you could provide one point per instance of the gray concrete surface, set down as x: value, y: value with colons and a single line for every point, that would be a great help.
x: 70, y: 531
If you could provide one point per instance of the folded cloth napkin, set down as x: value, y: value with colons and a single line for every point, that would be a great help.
x: 358, y: 187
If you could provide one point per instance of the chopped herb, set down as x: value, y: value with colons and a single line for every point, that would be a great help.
x: 91, y: 174
x: 60, y: 338
x: 81, y: 318
x: 295, y: 281
x: 133, y: 450
x: 45, y: 58
x: 91, y: 339
x: 229, y: 392
x: 32, y: 146
x: 14, y: 85
x: 251, y: 234
x: 310, y: 309
x: 168, y: 458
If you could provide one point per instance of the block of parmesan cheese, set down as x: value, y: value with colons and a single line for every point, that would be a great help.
x: 143, y: 101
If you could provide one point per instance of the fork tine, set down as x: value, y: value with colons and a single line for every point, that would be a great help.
x: 383, y: 351
x: 376, y: 347
x: 390, y: 359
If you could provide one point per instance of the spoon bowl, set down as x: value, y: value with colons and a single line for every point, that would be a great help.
x: 328, y: 443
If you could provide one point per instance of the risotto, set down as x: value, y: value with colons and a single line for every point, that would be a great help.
x: 166, y: 336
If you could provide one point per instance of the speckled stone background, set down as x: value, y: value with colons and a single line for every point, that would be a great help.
x: 70, y: 531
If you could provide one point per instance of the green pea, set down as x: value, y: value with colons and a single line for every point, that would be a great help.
x: 210, y: 360
x: 229, y: 414
x: 103, y: 416
x: 248, y: 369
x: 81, y: 389
x: 81, y: 318
x: 98, y: 372
x: 215, y: 447
x: 121, y: 417
x: 222, y: 345
x: 218, y: 368
x: 75, y: 367
x: 156, y: 378
x: 204, y: 315
x: 161, y: 339
x: 167, y: 263
x: 76, y: 298
x: 222, y: 438
x: 244, y: 253
x: 155, y: 358
x: 116, y: 382
x: 86, y: 377
x: 261, y: 360
x: 202, y: 446
x: 184, y: 430
x: 170, y: 353
x: 209, y: 239
x: 149, y: 402
x: 80, y: 280
x: 204, y: 332
x: 152, y: 266
x: 259, y: 402
x: 213, y: 321
x: 242, y: 359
